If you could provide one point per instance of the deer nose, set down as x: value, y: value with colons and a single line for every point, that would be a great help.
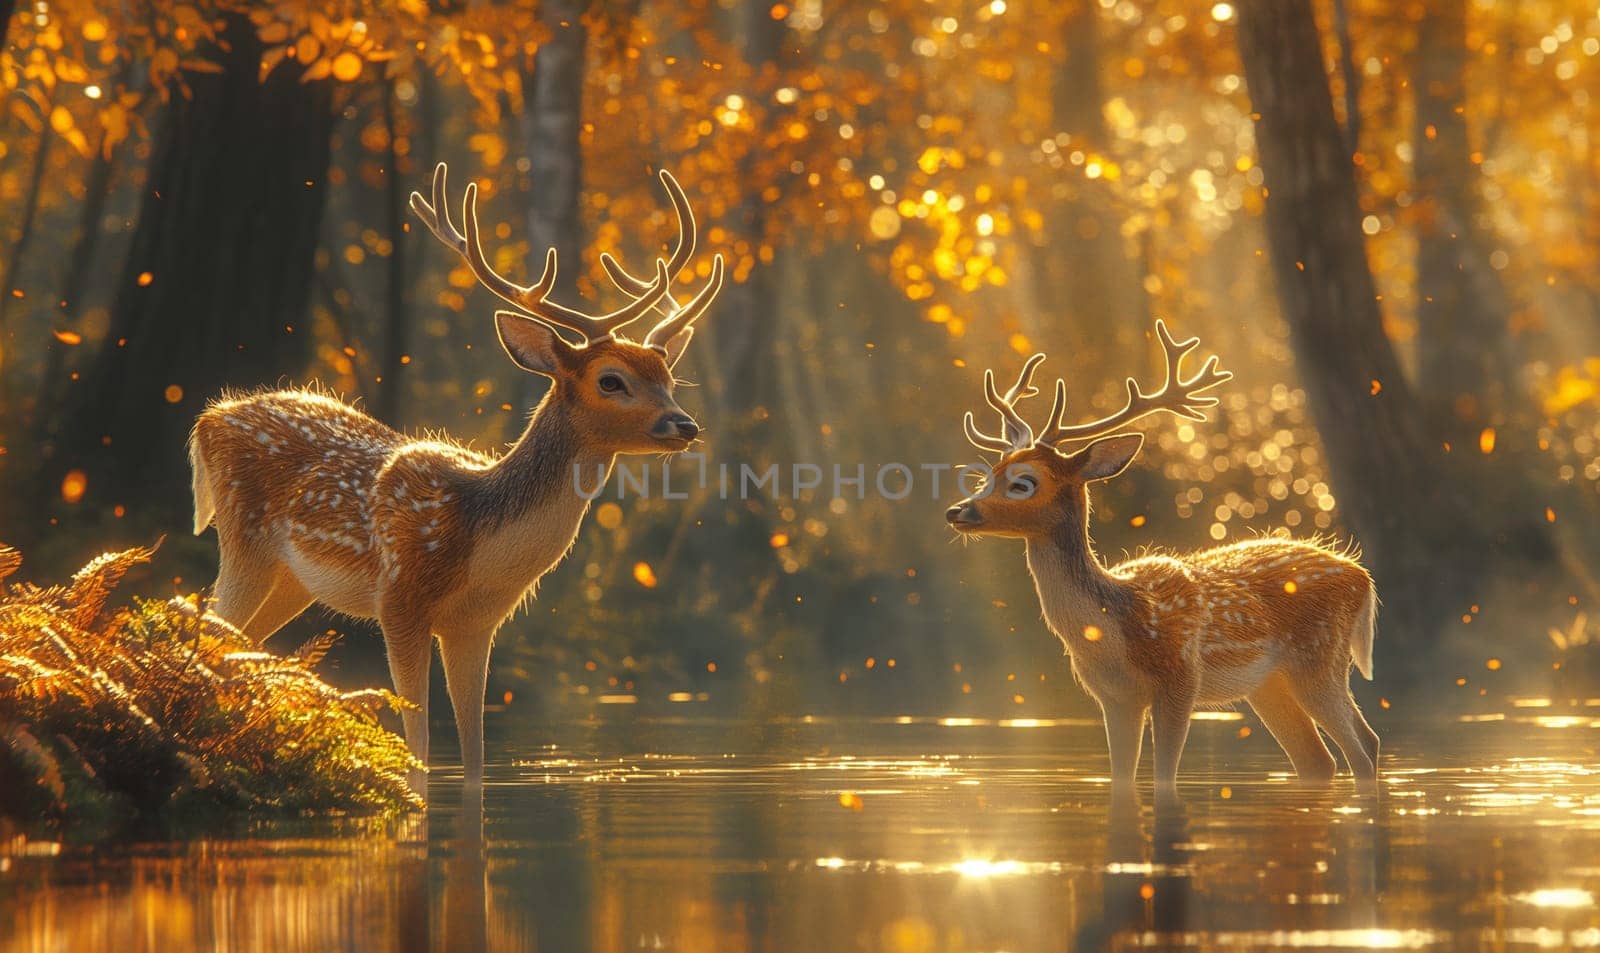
x: 962, y: 513
x: 677, y: 425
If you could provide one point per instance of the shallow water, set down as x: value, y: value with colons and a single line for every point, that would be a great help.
x: 901, y: 835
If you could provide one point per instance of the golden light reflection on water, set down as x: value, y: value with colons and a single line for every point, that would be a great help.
x: 904, y: 834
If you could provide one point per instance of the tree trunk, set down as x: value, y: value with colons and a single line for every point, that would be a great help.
x: 8, y: 9
x: 1097, y: 291
x: 1419, y: 540
x: 19, y: 249
x: 218, y: 271
x: 551, y: 123
x: 743, y: 331
x: 1465, y: 363
x: 397, y: 323
x: 74, y: 283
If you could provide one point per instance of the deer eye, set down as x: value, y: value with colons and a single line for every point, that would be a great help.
x: 1022, y: 487
x: 612, y: 384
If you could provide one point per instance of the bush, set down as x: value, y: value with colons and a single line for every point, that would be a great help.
x: 161, y: 710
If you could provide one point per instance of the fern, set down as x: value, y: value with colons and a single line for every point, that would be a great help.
x: 141, y: 712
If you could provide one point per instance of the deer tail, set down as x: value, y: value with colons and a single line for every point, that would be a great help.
x: 205, y: 505
x: 1365, y: 631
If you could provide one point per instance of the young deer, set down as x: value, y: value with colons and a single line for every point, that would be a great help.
x: 316, y: 501
x: 1275, y: 621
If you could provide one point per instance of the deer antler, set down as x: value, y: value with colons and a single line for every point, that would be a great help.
x: 1176, y: 396
x: 678, y: 316
x: 531, y: 299
x: 1017, y: 433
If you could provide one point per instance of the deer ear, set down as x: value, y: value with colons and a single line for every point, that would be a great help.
x: 533, y: 345
x: 677, y: 345
x: 1108, y: 456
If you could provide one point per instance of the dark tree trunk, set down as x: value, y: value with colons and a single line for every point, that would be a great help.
x: 74, y: 282
x: 743, y: 327
x: 19, y: 250
x: 1385, y: 470
x: 397, y: 323
x: 1351, y: 76
x: 219, y: 269
x: 8, y: 9
x: 1464, y: 360
x: 551, y: 124
x: 1096, y: 290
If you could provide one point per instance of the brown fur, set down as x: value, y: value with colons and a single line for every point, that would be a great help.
x: 316, y: 501
x: 1275, y: 621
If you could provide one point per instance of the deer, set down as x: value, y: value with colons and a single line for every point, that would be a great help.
x: 315, y: 501
x: 1273, y: 621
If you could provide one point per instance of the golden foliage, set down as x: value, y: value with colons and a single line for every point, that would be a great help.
x: 160, y: 707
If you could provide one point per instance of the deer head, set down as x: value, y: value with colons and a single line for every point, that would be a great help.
x: 1040, y: 485
x: 618, y: 392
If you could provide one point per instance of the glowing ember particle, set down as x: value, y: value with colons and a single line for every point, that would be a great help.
x: 1017, y: 699
x: 346, y: 67
x: 779, y: 540
x: 1244, y: 731
x: 871, y: 661
x: 1549, y: 514
x: 1492, y: 665
x: 173, y: 393
x: 851, y: 801
x: 608, y: 515
x: 1486, y: 440
x: 1136, y: 521
x: 1290, y: 587
x: 145, y: 278
x: 68, y: 337
x: 644, y: 575
x: 74, y: 485
x: 1377, y: 387
x: 1226, y: 793
x: 1383, y: 703
x: 711, y: 667
x: 1461, y: 681
x: 506, y: 698
x: 1092, y: 633
x: 1147, y: 890
x: 119, y: 511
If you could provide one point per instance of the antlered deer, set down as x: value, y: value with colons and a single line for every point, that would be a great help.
x: 316, y: 501
x: 1275, y: 621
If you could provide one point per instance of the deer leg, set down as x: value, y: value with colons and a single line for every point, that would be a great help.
x: 1170, y: 718
x: 466, y: 671
x: 1294, y: 730
x: 287, y: 600
x: 410, y: 649
x: 1124, y: 736
x: 1335, y: 710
